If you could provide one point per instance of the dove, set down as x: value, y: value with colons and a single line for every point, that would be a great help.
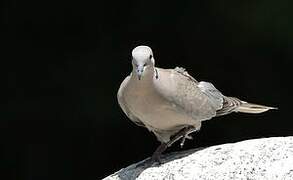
x: 171, y: 103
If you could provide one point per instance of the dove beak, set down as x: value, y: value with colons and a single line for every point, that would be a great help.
x: 139, y: 71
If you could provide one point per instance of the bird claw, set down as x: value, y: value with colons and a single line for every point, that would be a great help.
x: 187, y: 136
x: 182, y: 142
x: 154, y: 160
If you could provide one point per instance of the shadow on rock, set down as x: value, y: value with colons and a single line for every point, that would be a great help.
x: 133, y: 171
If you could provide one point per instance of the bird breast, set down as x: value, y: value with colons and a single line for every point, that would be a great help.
x: 152, y: 109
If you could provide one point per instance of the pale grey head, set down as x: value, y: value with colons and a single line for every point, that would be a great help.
x: 142, y: 58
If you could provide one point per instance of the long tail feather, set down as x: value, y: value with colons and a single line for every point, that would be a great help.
x: 232, y: 104
x: 252, y: 108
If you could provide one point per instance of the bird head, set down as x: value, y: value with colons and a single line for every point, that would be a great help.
x: 142, y: 59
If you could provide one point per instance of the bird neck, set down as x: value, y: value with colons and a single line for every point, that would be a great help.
x: 148, y: 74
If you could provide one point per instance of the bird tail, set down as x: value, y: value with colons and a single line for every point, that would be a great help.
x: 246, y: 107
x: 232, y: 104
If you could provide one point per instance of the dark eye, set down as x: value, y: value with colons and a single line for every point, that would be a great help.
x: 151, y: 56
x: 145, y: 64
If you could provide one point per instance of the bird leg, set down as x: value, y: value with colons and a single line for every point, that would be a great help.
x: 156, y: 157
x: 187, y: 136
x: 184, y: 134
x: 183, y: 139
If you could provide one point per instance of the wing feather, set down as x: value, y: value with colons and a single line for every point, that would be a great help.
x: 200, y: 100
x: 213, y: 94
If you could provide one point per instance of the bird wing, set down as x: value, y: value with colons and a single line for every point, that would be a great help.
x: 200, y: 100
x: 214, y: 95
x: 123, y: 105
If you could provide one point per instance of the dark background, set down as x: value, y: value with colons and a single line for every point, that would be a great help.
x: 63, y: 62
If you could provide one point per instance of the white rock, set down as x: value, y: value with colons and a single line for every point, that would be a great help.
x: 264, y: 159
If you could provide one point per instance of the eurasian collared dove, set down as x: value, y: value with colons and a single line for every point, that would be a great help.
x: 171, y: 103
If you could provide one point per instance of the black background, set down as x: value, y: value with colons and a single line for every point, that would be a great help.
x: 63, y: 62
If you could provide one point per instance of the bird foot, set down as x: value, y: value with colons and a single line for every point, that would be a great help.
x: 187, y: 136
x: 156, y: 157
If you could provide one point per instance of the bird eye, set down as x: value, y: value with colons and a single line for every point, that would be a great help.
x: 145, y: 64
x: 151, y: 56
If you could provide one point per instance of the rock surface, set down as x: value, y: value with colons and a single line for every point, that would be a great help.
x: 265, y: 159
